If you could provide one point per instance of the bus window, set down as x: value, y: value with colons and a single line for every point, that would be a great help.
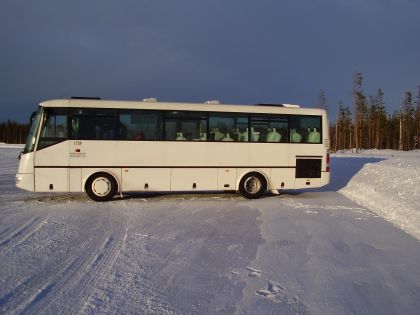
x: 140, y: 125
x: 269, y: 128
x: 182, y: 125
x: 305, y: 129
x: 228, y: 127
x: 54, y: 128
x: 94, y: 124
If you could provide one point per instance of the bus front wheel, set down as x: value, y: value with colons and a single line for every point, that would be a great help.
x: 101, y: 187
x: 252, y: 185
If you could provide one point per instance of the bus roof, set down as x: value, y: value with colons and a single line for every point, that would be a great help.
x: 206, y: 107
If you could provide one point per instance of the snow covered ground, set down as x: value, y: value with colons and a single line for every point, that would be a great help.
x: 302, y: 252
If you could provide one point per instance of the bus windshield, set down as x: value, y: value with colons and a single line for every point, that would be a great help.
x: 30, y: 142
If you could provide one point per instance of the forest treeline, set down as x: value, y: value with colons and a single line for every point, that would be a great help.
x: 13, y: 132
x: 368, y: 125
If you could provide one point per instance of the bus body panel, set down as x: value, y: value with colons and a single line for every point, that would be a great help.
x: 325, y: 178
x: 75, y: 180
x: 56, y: 155
x: 146, y: 179
x: 178, y: 154
x: 204, y: 159
x: 25, y: 181
x: 282, y: 178
x: 51, y: 179
x: 190, y: 179
x: 307, y: 182
x: 51, y: 171
x: 226, y: 179
x: 26, y: 163
x: 25, y: 175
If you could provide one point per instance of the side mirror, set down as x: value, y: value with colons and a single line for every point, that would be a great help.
x: 20, y: 155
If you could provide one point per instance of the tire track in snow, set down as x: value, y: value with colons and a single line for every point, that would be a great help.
x: 34, y: 290
x: 11, y: 231
x: 16, y: 232
x: 82, y: 275
x: 102, y: 262
x: 13, y: 222
x: 20, y: 234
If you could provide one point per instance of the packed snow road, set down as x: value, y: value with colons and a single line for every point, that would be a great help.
x: 311, y: 252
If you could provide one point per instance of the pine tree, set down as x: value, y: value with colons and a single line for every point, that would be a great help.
x: 407, y: 123
x: 322, y: 100
x: 360, y: 109
x: 376, y: 120
x: 392, y: 134
x: 343, y: 128
x: 380, y: 118
x: 417, y: 122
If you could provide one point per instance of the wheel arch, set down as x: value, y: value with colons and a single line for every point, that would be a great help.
x: 243, y: 172
x: 90, y: 172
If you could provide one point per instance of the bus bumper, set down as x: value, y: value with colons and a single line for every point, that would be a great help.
x: 325, y: 178
x: 25, y: 181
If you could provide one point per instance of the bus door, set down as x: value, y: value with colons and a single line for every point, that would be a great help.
x: 52, y: 152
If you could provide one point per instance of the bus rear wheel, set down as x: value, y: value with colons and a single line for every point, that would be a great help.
x: 101, y: 187
x: 252, y: 185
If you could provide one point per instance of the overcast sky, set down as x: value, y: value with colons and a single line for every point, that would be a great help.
x: 235, y: 51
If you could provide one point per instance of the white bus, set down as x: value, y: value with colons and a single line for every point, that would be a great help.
x: 107, y: 147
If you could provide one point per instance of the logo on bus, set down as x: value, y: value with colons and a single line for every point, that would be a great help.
x: 77, y: 154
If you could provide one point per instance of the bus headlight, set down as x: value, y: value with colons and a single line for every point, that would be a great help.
x: 25, y: 181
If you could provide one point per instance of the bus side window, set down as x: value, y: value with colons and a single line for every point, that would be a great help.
x: 305, y: 129
x: 268, y: 128
x: 54, y: 128
x: 185, y: 125
x: 94, y: 124
x: 140, y: 125
x: 228, y: 127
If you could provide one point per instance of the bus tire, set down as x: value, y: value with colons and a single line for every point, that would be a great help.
x: 253, y: 185
x: 101, y: 187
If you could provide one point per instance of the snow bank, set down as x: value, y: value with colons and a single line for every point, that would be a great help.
x: 378, y: 153
x: 390, y: 188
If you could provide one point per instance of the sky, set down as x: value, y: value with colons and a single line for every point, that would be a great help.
x: 234, y: 51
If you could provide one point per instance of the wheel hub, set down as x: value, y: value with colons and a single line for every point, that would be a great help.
x: 101, y: 186
x: 252, y: 185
